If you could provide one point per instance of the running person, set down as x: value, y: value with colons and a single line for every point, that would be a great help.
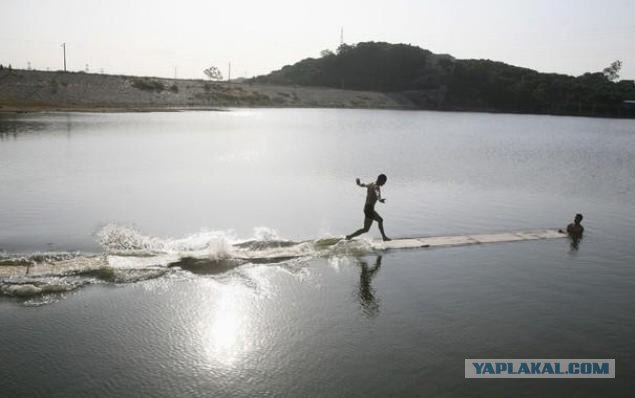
x: 373, y: 194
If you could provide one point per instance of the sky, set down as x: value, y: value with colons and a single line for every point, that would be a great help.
x: 182, y: 38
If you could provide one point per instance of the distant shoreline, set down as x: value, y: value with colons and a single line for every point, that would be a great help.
x: 43, y: 110
x: 53, y: 109
x: 83, y: 109
x: 24, y: 91
x: 38, y: 91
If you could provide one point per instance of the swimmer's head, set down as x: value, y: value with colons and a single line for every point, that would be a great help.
x: 578, y: 218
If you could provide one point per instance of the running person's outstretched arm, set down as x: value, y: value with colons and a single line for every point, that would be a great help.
x: 361, y: 184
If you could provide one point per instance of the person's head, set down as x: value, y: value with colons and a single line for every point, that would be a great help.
x: 381, y: 179
x: 578, y: 218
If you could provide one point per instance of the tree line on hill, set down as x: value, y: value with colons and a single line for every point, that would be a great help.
x: 440, y: 81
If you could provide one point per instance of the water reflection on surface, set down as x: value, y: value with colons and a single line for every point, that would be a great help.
x: 12, y: 128
x: 367, y: 299
x: 575, y: 241
x: 15, y: 126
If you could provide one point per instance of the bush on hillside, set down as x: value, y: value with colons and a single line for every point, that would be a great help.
x: 146, y: 84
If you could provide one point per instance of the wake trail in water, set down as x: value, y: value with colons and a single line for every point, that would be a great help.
x: 265, y: 244
x: 129, y: 256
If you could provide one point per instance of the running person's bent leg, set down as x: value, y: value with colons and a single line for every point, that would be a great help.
x: 367, y: 223
x: 380, y: 223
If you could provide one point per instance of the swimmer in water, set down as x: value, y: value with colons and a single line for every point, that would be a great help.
x: 575, y: 228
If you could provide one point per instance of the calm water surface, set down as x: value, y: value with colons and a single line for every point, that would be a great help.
x: 347, y: 322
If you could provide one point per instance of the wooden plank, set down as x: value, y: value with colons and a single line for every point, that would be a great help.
x: 461, y: 240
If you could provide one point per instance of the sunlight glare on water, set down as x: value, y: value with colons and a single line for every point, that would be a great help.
x: 226, y: 327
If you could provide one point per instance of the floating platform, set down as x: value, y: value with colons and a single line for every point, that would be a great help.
x: 257, y: 252
x: 473, y: 239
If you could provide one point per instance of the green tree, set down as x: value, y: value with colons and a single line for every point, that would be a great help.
x: 612, y: 72
x: 326, y: 53
x: 213, y: 73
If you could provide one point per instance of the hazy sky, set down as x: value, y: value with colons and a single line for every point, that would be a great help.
x: 153, y: 37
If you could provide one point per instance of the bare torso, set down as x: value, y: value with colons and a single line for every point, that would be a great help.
x: 372, y: 194
x: 575, y: 229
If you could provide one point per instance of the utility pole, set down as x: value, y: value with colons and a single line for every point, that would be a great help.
x: 342, y: 35
x: 64, y: 47
x: 229, y: 73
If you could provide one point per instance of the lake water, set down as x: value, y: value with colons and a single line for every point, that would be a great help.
x: 165, y: 196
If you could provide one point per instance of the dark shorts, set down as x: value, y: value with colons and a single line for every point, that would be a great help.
x: 369, y: 212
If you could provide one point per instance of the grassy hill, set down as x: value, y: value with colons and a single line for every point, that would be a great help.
x: 433, y: 81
